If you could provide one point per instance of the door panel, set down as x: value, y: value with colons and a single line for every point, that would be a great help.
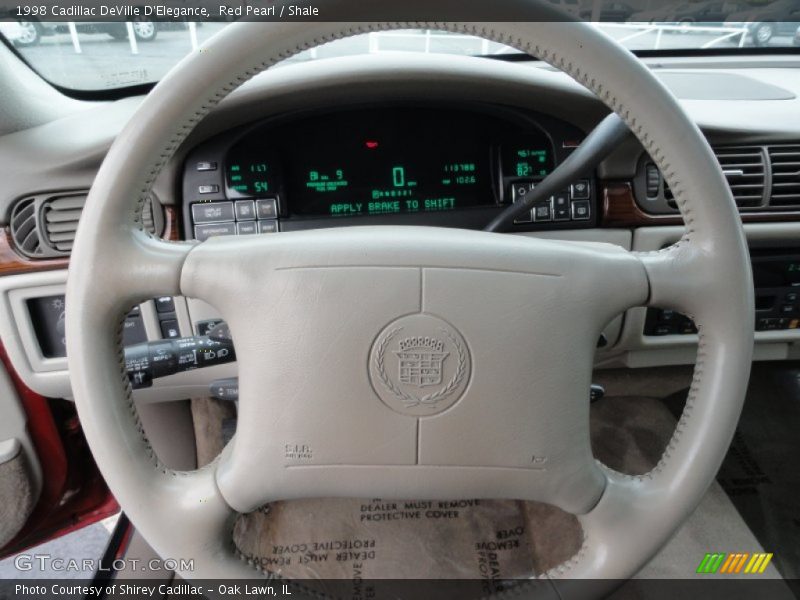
x: 67, y: 491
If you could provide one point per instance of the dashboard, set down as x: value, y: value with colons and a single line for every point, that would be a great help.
x: 445, y: 165
x: 443, y: 141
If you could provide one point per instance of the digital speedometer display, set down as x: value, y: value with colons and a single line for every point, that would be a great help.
x: 360, y: 162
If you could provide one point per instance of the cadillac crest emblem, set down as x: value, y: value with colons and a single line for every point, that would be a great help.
x: 419, y: 365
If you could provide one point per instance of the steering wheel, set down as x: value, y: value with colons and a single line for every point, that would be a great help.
x: 330, y: 327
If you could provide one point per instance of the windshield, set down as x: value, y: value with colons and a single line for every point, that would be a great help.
x: 97, y: 55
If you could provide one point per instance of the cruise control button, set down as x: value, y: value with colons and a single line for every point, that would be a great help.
x: 580, y: 190
x: 580, y: 210
x: 208, y: 189
x: 212, y: 212
x: 205, y: 165
x: 246, y: 228
x: 268, y: 227
x: 245, y: 210
x: 267, y: 208
x: 543, y: 212
x: 165, y: 304
x: 203, y: 232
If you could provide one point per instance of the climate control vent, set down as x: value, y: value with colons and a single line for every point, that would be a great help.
x: 745, y: 169
x: 25, y: 228
x: 60, y: 216
x: 785, y: 162
x: 44, y: 226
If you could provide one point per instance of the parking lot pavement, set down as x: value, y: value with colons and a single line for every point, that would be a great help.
x: 108, y: 63
x: 89, y: 542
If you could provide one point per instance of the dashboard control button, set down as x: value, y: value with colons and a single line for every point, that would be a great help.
x: 561, y: 207
x: 520, y: 189
x: 267, y: 208
x: 208, y: 189
x: 225, y: 389
x: 267, y: 227
x: 203, y: 232
x: 245, y: 210
x: 205, y: 165
x: 543, y: 211
x: 133, y: 331
x: 246, y: 228
x: 788, y: 309
x: 663, y: 330
x: 790, y: 297
x: 580, y: 190
x: 580, y: 210
x: 212, y: 212
x: 165, y: 304
x: 170, y: 329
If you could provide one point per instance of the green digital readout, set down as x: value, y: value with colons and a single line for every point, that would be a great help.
x: 247, y: 179
x: 397, y: 160
x: 530, y: 163
x: 456, y: 174
x: 401, y: 194
x: 325, y: 183
x: 527, y: 157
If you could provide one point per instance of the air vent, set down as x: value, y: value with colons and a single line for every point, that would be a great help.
x: 24, y: 228
x: 785, y: 161
x: 44, y: 226
x: 60, y: 216
x: 745, y: 169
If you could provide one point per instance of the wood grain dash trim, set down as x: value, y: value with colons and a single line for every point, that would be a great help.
x: 14, y: 263
x: 620, y: 210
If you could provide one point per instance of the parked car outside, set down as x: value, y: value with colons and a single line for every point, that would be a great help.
x: 781, y: 17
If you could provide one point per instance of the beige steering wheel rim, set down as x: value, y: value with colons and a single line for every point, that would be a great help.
x: 705, y: 275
